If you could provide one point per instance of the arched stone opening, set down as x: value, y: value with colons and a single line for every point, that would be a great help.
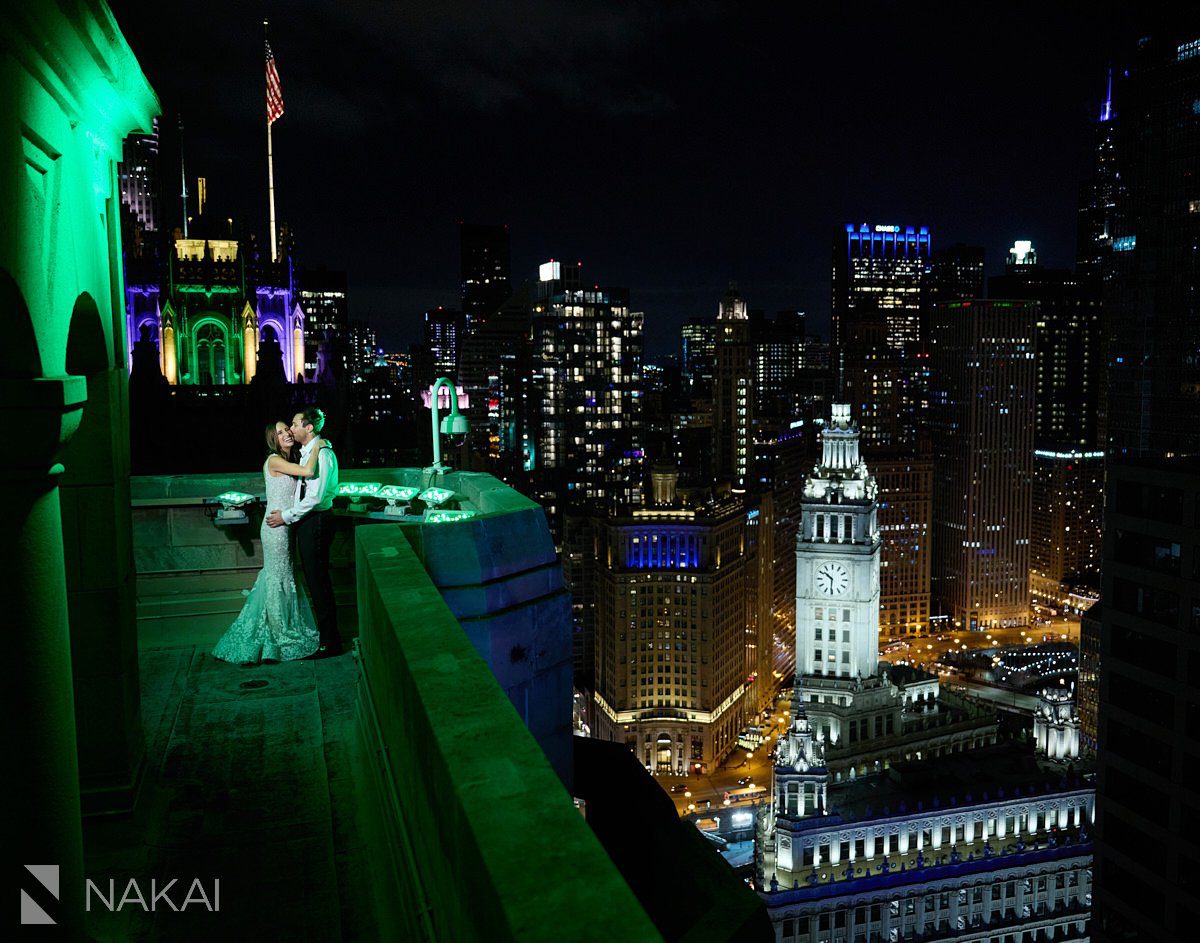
x: 98, y: 542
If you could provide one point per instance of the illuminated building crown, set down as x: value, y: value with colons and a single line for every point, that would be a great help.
x: 842, y: 474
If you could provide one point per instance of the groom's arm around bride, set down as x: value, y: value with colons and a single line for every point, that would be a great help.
x: 313, y: 520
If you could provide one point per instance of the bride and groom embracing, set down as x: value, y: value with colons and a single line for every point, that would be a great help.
x: 276, y: 624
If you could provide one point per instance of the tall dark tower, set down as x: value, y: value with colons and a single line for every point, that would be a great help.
x: 733, y: 396
x: 1149, y: 662
x: 1099, y: 196
x: 486, y: 282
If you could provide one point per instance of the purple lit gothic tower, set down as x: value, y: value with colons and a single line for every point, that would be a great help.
x: 215, y: 312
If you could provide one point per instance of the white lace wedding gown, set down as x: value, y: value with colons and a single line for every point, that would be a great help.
x: 275, y: 623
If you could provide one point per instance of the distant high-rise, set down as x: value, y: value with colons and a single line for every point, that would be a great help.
x: 880, y: 274
x: 585, y: 408
x: 138, y: 179
x: 885, y: 264
x: 444, y: 330
x: 486, y: 282
x: 1099, y: 196
x: 699, y: 336
x: 733, y: 390
x: 905, y: 512
x: 326, y: 315
x: 982, y: 378
x: 1068, y: 458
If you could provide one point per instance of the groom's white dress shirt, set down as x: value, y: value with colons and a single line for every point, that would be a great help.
x: 317, y: 493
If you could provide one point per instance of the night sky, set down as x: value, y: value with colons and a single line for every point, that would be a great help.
x: 672, y: 147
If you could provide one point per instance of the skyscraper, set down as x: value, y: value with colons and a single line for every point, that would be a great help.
x: 733, y: 395
x: 982, y: 375
x: 585, y: 409
x: 138, y: 178
x: 905, y: 511
x: 699, y: 337
x: 1148, y: 664
x: 327, y: 318
x: 1068, y: 461
x: 1099, y: 197
x: 486, y: 260
x: 444, y: 330
x: 1150, y: 289
x: 683, y: 593
x: 880, y: 274
x: 884, y: 263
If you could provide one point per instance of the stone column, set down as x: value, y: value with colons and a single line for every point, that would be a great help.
x: 40, y: 415
x: 98, y: 536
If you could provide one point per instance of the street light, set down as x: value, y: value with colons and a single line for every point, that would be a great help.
x: 454, y: 424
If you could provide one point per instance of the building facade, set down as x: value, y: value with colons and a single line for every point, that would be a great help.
x: 982, y: 372
x: 905, y: 485
x: 585, y: 406
x: 733, y: 391
x: 1148, y: 692
x: 682, y: 622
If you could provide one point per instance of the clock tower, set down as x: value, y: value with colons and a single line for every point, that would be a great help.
x: 837, y: 563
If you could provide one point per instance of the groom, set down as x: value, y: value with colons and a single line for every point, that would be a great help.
x: 311, y: 514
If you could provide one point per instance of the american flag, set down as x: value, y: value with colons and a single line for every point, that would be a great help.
x: 274, y: 92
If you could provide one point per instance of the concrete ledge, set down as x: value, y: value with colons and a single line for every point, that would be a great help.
x: 470, y: 819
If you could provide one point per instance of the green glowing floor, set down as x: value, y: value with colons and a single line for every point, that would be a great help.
x: 247, y: 782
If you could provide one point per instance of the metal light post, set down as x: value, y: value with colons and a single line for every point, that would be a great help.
x: 454, y: 424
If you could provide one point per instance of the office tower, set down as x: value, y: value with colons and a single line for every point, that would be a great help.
x: 905, y: 511
x: 364, y: 350
x: 955, y: 274
x: 733, y: 396
x: 1068, y: 461
x: 443, y: 335
x: 982, y: 377
x: 1099, y: 197
x: 1087, y: 690
x: 485, y: 264
x: 1151, y: 285
x: 138, y: 179
x: 779, y: 350
x: 682, y: 593
x: 585, y: 409
x: 1149, y: 670
x: 884, y: 263
x: 699, y: 338
x: 782, y: 463
x: 327, y: 317
x: 879, y: 277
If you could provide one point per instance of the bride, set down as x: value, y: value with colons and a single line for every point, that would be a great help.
x: 275, y: 624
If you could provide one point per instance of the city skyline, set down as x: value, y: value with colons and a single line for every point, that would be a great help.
x: 379, y: 156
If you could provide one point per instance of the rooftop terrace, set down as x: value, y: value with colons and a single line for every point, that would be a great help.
x: 410, y: 789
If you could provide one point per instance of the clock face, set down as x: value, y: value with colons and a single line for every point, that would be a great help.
x: 832, y: 579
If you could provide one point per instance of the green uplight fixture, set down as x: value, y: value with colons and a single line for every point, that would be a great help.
x: 358, y: 489
x: 435, y: 496
x: 440, y: 516
x: 233, y: 499
x: 394, y: 494
x: 454, y: 424
x: 232, y: 507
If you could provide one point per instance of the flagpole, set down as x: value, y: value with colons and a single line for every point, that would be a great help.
x: 271, y: 179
